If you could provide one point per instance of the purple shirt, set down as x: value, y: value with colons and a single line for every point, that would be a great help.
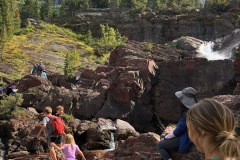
x: 69, y: 152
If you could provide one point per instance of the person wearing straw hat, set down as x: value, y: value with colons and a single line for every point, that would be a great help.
x: 178, y: 139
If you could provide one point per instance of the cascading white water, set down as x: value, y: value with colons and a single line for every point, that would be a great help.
x: 108, y: 125
x: 2, y: 150
x: 202, y: 2
x: 112, y: 143
x: 226, y: 47
x: 206, y: 51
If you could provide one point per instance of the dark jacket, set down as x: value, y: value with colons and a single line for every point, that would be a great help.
x: 181, y: 131
x: 9, y: 90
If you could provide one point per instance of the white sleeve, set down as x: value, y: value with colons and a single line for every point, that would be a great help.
x: 169, y: 135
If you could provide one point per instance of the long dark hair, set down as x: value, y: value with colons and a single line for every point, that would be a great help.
x: 183, y: 108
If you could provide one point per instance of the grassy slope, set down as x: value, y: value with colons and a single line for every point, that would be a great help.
x: 48, y: 43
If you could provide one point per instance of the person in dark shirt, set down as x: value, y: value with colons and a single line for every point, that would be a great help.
x: 34, y: 69
x: 1, y: 93
x: 11, y: 89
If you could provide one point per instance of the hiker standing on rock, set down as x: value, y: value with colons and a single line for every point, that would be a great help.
x: 40, y: 68
x: 211, y: 127
x: 46, y: 125
x: 178, y: 139
x: 60, y: 113
x: 34, y: 69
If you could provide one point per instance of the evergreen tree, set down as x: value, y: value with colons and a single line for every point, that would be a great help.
x: 47, y: 10
x: 3, y: 39
x: 70, y: 6
x: 72, y: 61
x: 101, y: 3
x: 16, y: 16
x: 30, y: 9
x: 110, y: 39
x: 126, y: 4
x: 89, y: 38
x: 154, y: 4
x: 115, y: 3
x: 137, y: 5
x: 9, y: 21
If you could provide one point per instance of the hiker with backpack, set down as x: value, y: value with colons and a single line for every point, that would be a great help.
x: 54, y: 128
x: 60, y: 113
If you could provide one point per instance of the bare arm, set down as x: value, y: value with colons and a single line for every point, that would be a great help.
x: 66, y: 128
x: 41, y: 130
x: 81, y: 154
x: 55, y: 146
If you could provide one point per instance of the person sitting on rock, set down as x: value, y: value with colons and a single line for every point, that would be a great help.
x: 178, y: 139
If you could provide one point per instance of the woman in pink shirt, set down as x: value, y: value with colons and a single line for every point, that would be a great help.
x: 70, y: 149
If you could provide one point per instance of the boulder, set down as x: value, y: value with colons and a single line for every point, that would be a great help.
x: 205, y: 76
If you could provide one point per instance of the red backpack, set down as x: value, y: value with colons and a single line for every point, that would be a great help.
x: 57, y: 125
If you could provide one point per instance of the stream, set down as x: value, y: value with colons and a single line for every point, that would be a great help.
x: 2, y: 150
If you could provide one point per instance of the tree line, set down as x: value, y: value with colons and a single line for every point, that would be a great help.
x: 13, y: 11
x: 47, y: 9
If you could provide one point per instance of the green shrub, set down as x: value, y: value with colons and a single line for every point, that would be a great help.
x: 60, y: 31
x: 72, y: 61
x: 28, y: 29
x: 110, y: 39
x: 103, y: 59
x: 238, y: 18
x: 89, y: 38
x: 2, y: 83
x: 68, y: 116
x: 9, y: 104
x: 237, y: 53
x: 148, y: 47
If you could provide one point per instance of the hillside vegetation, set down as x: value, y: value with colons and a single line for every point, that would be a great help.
x: 47, y: 43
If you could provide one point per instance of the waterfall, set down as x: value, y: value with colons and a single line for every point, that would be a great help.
x: 206, y: 51
x: 2, y: 150
x: 109, y: 126
x: 202, y: 2
x: 225, y: 47
x: 112, y: 143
